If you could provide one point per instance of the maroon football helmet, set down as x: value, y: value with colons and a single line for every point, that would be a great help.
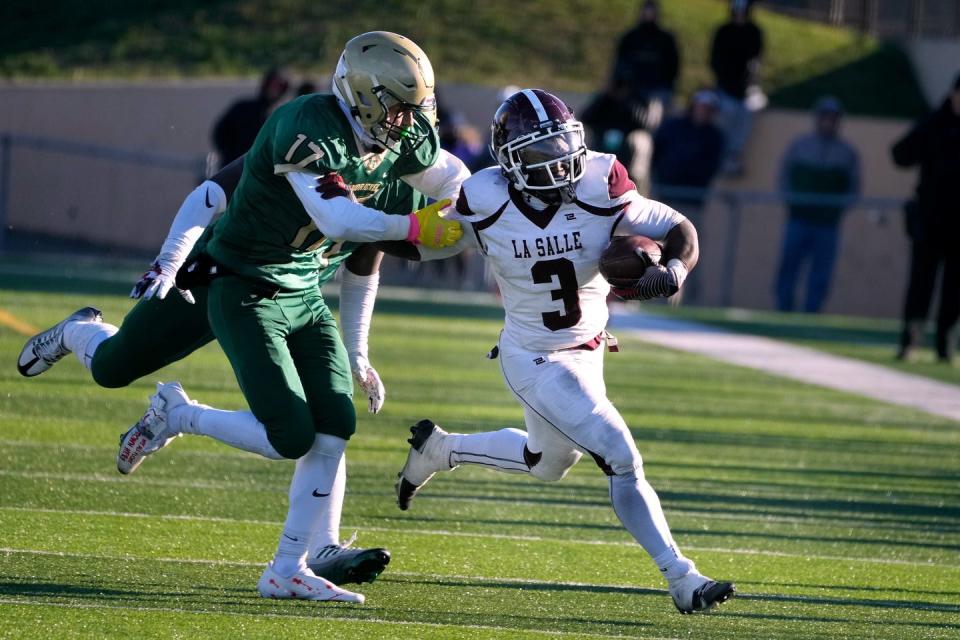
x: 539, y: 145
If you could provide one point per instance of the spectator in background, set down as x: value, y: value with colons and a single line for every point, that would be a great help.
x: 647, y: 62
x: 463, y: 140
x: 306, y: 87
x: 687, y: 151
x: 615, y: 125
x: 933, y: 224
x: 735, y: 60
x: 235, y: 131
x: 815, y: 164
x: 621, y: 119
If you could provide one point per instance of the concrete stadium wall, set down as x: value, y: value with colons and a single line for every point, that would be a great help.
x: 117, y: 204
x: 873, y: 259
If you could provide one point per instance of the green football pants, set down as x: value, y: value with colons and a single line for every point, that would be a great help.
x: 289, y: 360
x: 154, y: 333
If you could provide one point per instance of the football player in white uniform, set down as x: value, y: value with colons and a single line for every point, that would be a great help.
x: 542, y: 218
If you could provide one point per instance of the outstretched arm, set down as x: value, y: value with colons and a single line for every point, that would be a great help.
x: 338, y: 215
x: 198, y: 209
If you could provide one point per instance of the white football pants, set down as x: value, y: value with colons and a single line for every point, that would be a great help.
x: 567, y: 412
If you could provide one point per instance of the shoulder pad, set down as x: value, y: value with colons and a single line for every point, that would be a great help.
x: 482, y: 194
x: 603, y: 180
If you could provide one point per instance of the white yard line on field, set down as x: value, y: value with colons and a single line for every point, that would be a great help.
x: 492, y: 536
x: 797, y: 363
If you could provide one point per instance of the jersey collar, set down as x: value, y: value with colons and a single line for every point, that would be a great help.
x: 541, y: 218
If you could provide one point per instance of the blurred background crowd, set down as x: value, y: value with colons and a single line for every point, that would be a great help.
x: 800, y: 196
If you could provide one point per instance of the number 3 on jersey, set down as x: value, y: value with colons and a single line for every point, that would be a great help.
x: 543, y: 273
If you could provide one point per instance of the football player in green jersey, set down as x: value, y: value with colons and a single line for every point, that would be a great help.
x: 162, y: 329
x: 264, y: 305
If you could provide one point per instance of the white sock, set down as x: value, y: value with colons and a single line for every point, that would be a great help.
x: 310, y: 505
x: 327, y: 531
x: 83, y: 338
x: 638, y: 508
x: 239, y: 429
x: 502, y: 450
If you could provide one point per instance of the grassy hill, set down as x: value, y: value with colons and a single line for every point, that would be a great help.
x: 565, y: 45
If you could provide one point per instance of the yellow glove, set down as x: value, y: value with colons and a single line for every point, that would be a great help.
x: 429, y: 228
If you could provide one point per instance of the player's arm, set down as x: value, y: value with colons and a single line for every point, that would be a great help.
x: 196, y: 212
x: 442, y: 179
x: 338, y: 215
x: 407, y: 251
x: 358, y: 290
x: 641, y: 216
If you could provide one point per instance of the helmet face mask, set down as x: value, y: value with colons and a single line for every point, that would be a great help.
x: 539, y: 146
x: 380, y: 77
x: 391, y: 128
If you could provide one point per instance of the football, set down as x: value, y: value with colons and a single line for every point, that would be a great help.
x: 625, y: 259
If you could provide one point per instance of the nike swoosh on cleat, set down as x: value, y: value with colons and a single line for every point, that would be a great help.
x: 291, y: 538
x: 320, y: 495
x: 206, y: 199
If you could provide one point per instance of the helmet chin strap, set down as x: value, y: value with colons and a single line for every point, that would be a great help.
x: 537, y: 200
x: 362, y: 135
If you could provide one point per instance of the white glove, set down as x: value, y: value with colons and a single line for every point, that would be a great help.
x: 369, y: 381
x: 158, y: 281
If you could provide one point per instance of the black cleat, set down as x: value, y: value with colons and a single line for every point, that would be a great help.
x: 704, y: 597
x: 341, y: 565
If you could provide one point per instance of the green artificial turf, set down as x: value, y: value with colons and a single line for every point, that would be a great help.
x: 837, y: 516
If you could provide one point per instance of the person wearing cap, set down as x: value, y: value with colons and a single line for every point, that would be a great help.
x: 687, y: 152
x: 933, y: 225
x: 819, y: 179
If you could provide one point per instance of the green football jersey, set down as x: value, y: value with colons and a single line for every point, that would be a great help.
x: 265, y: 234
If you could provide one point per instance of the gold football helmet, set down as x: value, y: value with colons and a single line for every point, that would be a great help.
x: 378, y: 71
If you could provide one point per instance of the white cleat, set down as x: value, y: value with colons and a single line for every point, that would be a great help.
x: 427, y: 456
x: 152, y: 432
x: 303, y: 585
x: 694, y: 592
x: 45, y: 349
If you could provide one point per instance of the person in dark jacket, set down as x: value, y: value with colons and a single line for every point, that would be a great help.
x: 235, y: 131
x: 933, y: 224
x: 819, y: 163
x: 687, y: 151
x: 647, y: 61
x: 735, y: 61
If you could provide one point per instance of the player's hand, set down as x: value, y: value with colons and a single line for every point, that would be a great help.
x: 429, y: 228
x: 332, y: 185
x: 657, y: 282
x: 369, y: 382
x: 157, y: 282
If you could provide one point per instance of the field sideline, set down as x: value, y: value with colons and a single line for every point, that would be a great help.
x: 836, y: 516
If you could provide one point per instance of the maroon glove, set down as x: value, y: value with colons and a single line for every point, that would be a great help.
x: 332, y: 186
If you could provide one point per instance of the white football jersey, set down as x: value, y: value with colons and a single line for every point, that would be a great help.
x: 546, y: 261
